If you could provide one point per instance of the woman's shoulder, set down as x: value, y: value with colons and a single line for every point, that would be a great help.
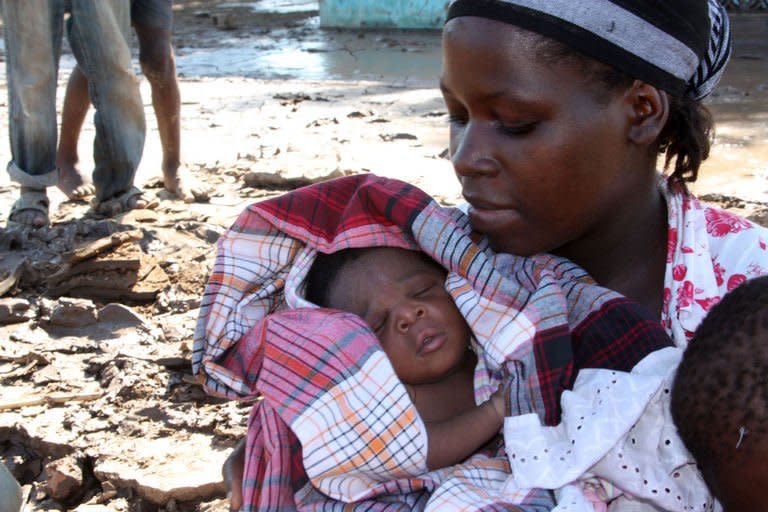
x: 722, y: 229
x: 706, y: 235
x: 710, y: 252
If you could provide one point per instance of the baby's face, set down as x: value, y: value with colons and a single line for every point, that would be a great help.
x: 402, y: 297
x: 739, y: 484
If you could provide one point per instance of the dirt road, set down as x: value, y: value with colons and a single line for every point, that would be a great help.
x: 97, y: 406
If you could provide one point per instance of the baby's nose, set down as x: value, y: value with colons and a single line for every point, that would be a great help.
x: 408, y: 316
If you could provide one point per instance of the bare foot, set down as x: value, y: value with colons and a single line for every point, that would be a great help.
x: 140, y: 202
x: 186, y: 189
x: 131, y: 199
x: 30, y: 209
x: 72, y: 182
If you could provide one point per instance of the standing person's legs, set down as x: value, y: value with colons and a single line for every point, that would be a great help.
x: 99, y: 39
x: 33, y: 31
x: 10, y: 491
x: 152, y: 21
x: 77, y: 101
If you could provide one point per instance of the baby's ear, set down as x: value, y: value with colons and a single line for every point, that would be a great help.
x: 648, y: 109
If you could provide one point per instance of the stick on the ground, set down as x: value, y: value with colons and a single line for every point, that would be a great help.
x: 94, y: 249
x: 54, y: 398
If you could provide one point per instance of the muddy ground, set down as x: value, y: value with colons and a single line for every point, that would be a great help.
x: 98, y: 410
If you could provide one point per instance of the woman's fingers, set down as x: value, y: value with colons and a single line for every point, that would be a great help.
x: 232, y: 471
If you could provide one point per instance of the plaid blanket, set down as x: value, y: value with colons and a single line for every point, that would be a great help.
x: 333, y: 428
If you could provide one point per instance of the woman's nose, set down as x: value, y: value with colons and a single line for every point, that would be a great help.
x: 470, y: 153
x: 407, y: 315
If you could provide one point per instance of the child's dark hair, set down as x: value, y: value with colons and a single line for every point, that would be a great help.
x: 687, y: 135
x: 720, y: 393
x: 324, y: 271
x: 326, y: 268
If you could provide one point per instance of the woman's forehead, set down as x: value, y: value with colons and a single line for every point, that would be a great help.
x: 489, y: 45
x: 660, y: 43
x: 475, y: 29
x: 493, y: 62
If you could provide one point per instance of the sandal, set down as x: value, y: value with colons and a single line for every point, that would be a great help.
x: 122, y: 203
x: 31, y: 200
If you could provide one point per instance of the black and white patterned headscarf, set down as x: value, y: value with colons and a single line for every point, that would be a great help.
x: 680, y: 46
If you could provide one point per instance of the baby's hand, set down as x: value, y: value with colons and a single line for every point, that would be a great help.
x: 500, y: 401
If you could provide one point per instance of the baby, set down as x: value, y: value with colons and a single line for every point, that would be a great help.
x: 401, y: 295
x: 720, y: 397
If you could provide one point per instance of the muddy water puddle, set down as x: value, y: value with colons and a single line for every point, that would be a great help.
x: 738, y: 164
x: 316, y: 60
x: 304, y: 51
x: 282, y: 39
x: 309, y: 52
x: 273, y: 39
x: 277, y: 6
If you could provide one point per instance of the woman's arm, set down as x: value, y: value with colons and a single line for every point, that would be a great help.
x: 451, y: 441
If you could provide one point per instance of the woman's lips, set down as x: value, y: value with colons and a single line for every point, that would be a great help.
x: 485, y: 219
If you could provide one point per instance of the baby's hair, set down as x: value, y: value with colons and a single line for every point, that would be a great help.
x: 720, y: 393
x: 324, y: 271
x: 326, y: 267
x: 687, y: 135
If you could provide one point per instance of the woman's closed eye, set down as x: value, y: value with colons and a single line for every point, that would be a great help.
x: 457, y: 119
x: 516, y: 129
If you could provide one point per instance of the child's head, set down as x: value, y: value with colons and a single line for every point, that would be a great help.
x: 401, y: 295
x: 558, y: 110
x: 720, y: 397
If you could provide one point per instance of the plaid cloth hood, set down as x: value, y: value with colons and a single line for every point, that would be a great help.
x: 333, y: 424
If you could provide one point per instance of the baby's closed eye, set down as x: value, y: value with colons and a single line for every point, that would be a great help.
x: 378, y: 322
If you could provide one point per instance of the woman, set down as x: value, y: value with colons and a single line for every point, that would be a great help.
x: 559, y: 111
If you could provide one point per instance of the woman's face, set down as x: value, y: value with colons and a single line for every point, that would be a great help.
x: 541, y: 157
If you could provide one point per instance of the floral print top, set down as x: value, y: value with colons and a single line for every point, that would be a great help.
x: 709, y: 252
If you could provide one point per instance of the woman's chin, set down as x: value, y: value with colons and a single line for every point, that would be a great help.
x: 503, y: 244
x: 503, y: 239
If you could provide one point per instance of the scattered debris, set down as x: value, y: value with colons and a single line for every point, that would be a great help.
x: 387, y: 137
x: 279, y: 181
x: 55, y: 398
x: 357, y: 114
x: 15, y: 310
x: 64, y: 477
x: 291, y: 98
x: 322, y: 122
x: 124, y: 274
x: 70, y: 312
x: 224, y: 20
x: 11, y: 269
x: 756, y: 211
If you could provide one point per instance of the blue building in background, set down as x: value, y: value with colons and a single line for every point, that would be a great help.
x: 427, y: 14
x: 415, y: 14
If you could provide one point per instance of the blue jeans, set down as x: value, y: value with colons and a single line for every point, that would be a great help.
x: 98, y: 35
x: 152, y: 13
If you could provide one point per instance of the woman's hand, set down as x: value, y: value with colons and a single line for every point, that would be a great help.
x: 232, y: 471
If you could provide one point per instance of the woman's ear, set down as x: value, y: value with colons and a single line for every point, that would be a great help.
x: 648, y: 110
